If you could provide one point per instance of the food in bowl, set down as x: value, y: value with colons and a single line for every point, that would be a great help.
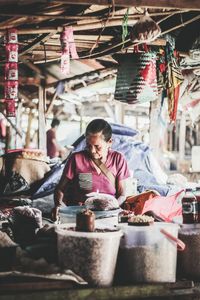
x: 140, y: 220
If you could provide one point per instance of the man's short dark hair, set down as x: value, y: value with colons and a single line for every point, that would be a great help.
x: 99, y: 125
x: 55, y: 122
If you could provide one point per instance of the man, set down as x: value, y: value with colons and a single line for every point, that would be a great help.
x: 82, y: 174
x: 53, y: 148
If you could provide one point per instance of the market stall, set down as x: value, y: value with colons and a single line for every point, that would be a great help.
x: 136, y: 65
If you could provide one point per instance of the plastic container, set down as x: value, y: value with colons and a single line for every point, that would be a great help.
x: 188, y: 260
x: 91, y: 255
x: 149, y: 253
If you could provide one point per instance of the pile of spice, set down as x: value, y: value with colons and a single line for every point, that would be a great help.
x: 146, y: 264
x: 141, y: 220
x: 188, y: 260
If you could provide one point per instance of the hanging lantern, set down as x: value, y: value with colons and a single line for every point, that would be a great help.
x: 136, y: 78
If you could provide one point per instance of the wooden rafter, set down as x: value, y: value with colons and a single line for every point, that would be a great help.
x: 27, y: 100
x: 18, y: 131
x: 80, y: 77
x: 15, y: 21
x: 50, y: 107
x: 84, y: 17
x: 36, y: 42
x: 32, y: 66
x: 182, y: 24
x: 179, y: 4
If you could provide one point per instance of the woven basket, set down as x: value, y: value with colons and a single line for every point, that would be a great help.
x: 136, y: 78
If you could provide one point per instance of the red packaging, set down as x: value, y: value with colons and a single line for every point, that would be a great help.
x: 11, y: 53
x: 10, y: 108
x: 67, y: 42
x: 11, y: 36
x: 11, y: 89
x: 11, y: 71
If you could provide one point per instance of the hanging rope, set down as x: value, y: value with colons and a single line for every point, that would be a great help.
x: 104, y: 25
x: 125, y: 26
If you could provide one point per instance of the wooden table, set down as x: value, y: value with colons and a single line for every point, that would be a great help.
x: 60, y: 290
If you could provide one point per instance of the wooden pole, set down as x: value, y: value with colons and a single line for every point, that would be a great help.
x: 12, y: 124
x: 154, y: 128
x: 28, y: 132
x: 119, y: 113
x: 182, y: 136
x: 8, y: 138
x: 50, y: 107
x: 42, y: 143
x: 19, y: 143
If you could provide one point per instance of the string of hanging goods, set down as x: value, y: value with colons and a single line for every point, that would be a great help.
x: 11, y: 71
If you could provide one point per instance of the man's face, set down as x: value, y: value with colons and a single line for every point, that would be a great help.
x: 97, y: 146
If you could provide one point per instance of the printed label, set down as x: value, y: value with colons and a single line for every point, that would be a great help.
x: 85, y: 181
x: 189, y: 208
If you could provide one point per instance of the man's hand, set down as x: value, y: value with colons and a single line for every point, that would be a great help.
x: 100, y: 201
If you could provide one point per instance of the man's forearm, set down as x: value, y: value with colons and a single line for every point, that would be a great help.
x: 58, y: 197
x: 121, y: 200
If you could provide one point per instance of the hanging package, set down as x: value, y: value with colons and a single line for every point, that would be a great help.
x: 136, y: 78
x: 145, y: 30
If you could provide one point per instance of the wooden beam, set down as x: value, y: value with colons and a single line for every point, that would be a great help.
x: 12, y: 125
x: 15, y: 21
x: 49, y: 109
x: 48, y: 17
x: 78, y: 78
x: 36, y: 42
x: 28, y: 132
x: 33, y: 31
x: 19, y: 112
x: 119, y: 112
x: 179, y: 4
x: 154, y: 129
x: 182, y: 136
x: 27, y: 100
x: 31, y: 66
x: 42, y: 143
x: 181, y: 25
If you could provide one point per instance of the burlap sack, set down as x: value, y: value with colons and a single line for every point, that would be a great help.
x: 31, y: 170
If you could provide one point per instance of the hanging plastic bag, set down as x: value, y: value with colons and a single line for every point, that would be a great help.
x: 165, y: 207
x: 145, y: 30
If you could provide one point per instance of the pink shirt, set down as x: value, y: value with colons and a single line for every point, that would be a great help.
x: 84, y: 178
